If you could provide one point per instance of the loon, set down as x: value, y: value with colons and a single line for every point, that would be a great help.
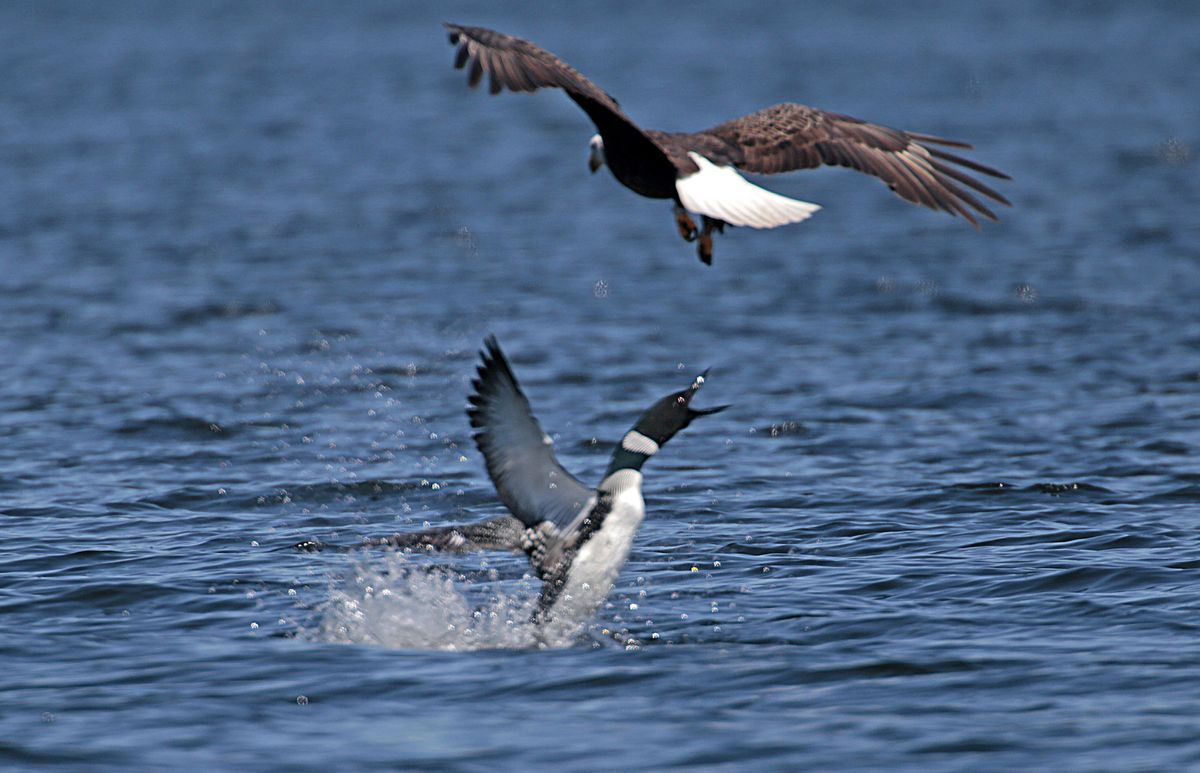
x: 699, y: 171
x: 577, y: 538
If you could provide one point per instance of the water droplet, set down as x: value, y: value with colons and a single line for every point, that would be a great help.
x: 301, y: 700
x: 466, y: 240
x: 1175, y: 152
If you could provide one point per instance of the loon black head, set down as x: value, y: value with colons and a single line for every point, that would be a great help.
x: 661, y: 422
x: 596, y: 155
x: 673, y: 413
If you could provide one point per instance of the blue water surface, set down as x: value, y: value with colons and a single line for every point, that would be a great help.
x: 248, y: 253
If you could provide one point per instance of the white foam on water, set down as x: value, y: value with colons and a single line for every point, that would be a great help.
x: 397, y: 601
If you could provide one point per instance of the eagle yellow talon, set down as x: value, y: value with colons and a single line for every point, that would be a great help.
x: 687, y: 226
x: 704, y: 250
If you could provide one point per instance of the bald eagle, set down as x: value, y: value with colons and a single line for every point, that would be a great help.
x: 699, y: 171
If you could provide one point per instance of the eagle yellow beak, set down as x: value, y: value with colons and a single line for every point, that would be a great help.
x: 596, y: 153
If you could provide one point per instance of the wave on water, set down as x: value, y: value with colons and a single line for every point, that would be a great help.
x: 393, y: 601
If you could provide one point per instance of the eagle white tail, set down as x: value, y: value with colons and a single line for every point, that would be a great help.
x: 721, y: 193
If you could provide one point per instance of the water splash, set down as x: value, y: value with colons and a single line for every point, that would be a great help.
x: 397, y: 602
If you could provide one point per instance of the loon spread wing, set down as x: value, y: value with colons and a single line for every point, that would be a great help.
x: 501, y: 533
x: 531, y: 483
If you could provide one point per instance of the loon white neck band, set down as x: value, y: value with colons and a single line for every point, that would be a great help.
x: 636, y: 442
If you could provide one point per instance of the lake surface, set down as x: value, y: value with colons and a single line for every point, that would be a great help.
x: 248, y: 253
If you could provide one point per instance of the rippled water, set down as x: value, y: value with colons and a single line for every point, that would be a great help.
x: 249, y: 252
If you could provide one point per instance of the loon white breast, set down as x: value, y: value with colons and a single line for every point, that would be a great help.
x: 590, y: 574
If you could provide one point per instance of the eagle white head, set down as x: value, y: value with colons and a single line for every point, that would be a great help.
x: 596, y: 157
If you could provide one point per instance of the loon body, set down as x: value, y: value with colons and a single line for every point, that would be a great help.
x: 577, y: 538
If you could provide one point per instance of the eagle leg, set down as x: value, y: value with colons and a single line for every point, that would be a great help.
x: 705, y: 248
x: 686, y: 226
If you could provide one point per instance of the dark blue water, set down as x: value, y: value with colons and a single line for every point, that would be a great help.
x: 248, y: 254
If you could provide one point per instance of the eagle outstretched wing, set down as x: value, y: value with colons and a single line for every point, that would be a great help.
x: 789, y: 136
x: 519, y: 65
